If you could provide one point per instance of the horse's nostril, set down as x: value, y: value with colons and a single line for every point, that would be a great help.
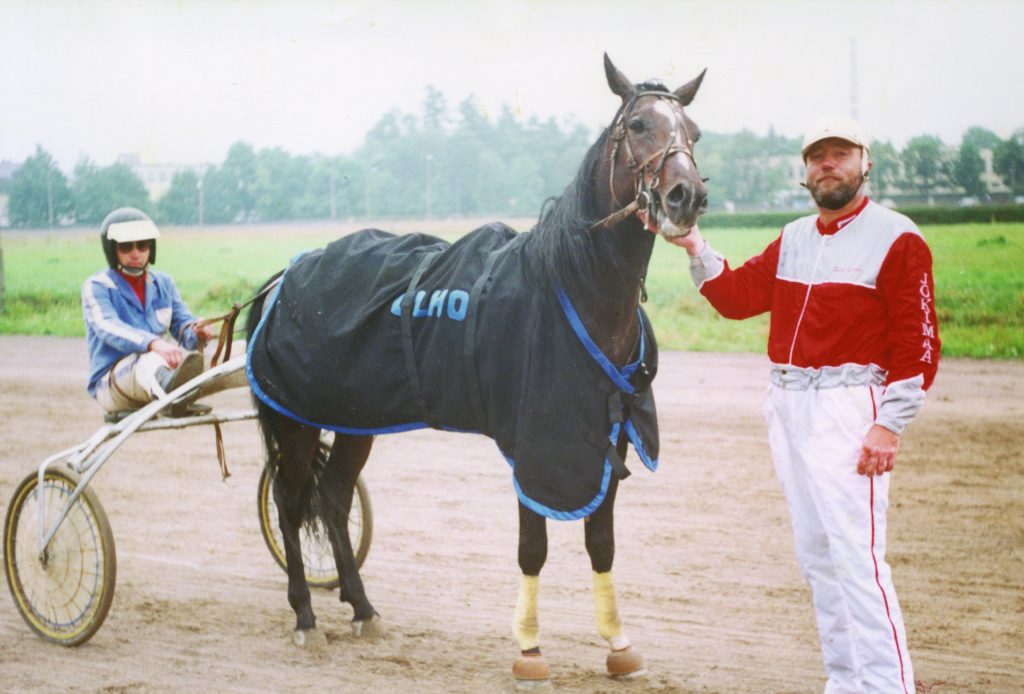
x: 677, y: 196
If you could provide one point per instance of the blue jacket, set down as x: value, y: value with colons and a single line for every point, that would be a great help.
x: 117, y: 324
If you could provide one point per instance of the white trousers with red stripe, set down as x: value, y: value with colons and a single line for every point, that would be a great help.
x: 839, y: 527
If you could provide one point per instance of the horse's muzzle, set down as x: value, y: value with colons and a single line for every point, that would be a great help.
x: 685, y: 202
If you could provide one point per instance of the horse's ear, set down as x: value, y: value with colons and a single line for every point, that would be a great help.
x: 617, y: 81
x: 689, y: 90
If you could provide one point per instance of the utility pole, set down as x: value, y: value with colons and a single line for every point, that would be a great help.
x: 430, y: 159
x: 854, y: 99
x: 199, y: 186
x: 366, y: 192
x: 49, y: 195
x: 333, y: 208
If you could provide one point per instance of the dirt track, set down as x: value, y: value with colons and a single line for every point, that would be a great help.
x: 708, y: 584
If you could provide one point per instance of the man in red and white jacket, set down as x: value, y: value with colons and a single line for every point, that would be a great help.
x: 854, y: 344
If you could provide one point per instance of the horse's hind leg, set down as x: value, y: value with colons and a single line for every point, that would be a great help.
x: 599, y: 531
x: 533, y: 551
x: 337, y: 487
x: 297, y: 444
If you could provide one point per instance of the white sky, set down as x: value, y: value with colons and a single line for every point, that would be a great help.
x: 179, y: 81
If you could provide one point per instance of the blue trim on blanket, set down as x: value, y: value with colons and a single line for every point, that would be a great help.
x: 613, y: 437
x: 638, y: 445
x: 620, y: 377
x: 542, y: 510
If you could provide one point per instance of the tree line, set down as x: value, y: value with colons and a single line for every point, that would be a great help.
x: 444, y: 164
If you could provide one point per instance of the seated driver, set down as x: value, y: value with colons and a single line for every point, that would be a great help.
x: 128, y: 310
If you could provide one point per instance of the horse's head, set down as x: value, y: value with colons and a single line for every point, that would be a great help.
x: 649, y: 154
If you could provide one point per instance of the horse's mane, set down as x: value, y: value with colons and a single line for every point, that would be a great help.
x: 562, y: 247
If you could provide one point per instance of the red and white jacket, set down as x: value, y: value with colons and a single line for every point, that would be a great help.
x: 858, y: 291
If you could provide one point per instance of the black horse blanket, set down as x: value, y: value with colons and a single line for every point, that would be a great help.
x: 378, y: 333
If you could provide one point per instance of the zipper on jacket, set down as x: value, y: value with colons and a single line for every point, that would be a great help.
x: 807, y: 298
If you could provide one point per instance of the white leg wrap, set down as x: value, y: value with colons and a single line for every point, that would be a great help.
x: 606, y: 612
x: 524, y: 624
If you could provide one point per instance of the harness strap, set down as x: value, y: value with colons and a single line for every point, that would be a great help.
x: 468, y: 346
x: 222, y: 458
x: 408, y: 299
x: 227, y: 331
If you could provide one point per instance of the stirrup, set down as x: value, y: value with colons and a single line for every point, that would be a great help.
x: 189, y: 409
x: 115, y: 417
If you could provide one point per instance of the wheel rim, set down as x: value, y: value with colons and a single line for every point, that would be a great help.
x: 61, y: 593
x: 317, y: 555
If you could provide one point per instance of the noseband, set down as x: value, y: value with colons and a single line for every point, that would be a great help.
x: 643, y: 190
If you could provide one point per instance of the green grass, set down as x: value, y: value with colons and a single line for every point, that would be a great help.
x: 979, y: 277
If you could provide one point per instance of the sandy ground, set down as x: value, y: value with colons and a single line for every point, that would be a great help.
x: 708, y: 584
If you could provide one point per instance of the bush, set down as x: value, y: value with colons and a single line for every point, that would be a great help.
x: 965, y: 215
x: 748, y: 220
x: 925, y: 215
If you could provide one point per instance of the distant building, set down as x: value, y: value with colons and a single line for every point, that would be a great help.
x: 157, y: 177
x: 994, y: 183
x: 7, y: 170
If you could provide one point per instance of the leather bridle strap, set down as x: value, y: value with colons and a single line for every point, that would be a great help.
x: 643, y: 197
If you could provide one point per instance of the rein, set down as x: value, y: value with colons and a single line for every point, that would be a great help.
x: 227, y: 330
x: 642, y: 190
x: 224, y: 340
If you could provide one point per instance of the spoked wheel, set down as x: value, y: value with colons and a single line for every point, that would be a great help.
x: 317, y: 555
x: 63, y: 593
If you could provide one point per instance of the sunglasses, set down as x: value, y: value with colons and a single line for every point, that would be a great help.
x: 126, y: 246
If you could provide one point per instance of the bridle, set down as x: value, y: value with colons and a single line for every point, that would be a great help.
x: 643, y: 186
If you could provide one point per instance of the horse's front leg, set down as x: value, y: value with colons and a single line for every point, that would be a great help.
x: 599, y: 531
x: 530, y: 666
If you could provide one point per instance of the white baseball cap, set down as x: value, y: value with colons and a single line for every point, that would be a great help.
x: 841, y: 127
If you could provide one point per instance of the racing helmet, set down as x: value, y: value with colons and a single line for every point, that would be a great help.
x: 843, y: 128
x: 127, y: 224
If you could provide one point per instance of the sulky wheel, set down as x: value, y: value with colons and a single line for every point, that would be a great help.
x: 63, y: 593
x: 317, y: 556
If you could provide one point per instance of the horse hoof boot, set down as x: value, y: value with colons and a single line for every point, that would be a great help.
x: 368, y: 628
x: 627, y: 663
x: 531, y: 670
x: 309, y: 639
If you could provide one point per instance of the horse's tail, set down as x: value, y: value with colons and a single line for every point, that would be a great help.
x: 256, y: 307
x: 272, y: 422
x: 268, y: 419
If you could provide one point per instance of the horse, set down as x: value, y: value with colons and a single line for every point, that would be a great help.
x: 536, y: 339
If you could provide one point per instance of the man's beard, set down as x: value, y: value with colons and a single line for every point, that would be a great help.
x: 838, y: 197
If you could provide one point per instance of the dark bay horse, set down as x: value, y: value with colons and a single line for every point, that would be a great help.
x: 535, y: 339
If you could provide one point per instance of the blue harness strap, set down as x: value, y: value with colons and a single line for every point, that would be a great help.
x: 620, y: 377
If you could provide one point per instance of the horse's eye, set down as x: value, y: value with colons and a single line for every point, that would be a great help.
x: 637, y: 125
